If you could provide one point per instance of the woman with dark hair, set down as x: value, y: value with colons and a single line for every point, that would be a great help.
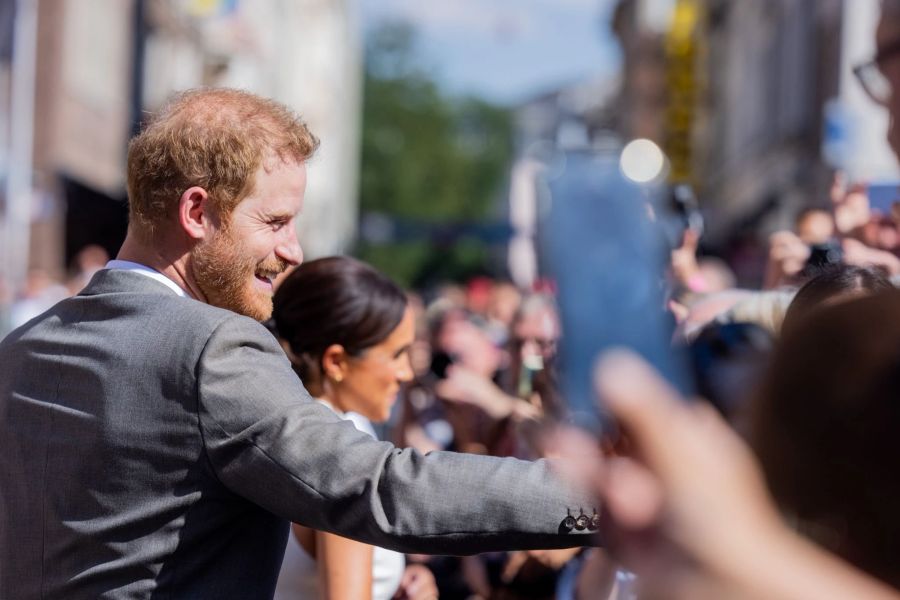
x: 833, y: 284
x: 347, y: 330
x: 825, y: 428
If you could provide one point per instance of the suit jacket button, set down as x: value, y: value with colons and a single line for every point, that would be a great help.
x: 568, y: 523
x: 581, y: 522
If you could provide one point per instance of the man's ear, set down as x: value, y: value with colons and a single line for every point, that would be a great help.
x: 196, y: 215
x: 334, y: 362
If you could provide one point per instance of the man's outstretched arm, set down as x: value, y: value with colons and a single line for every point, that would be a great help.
x: 268, y: 442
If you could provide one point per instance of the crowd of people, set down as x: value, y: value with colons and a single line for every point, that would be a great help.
x: 42, y: 289
x: 803, y: 370
x: 802, y: 373
x: 166, y: 415
x: 475, y: 369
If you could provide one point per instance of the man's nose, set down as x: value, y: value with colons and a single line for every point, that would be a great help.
x: 289, y: 250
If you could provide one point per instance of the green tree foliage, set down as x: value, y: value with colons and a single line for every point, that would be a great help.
x: 427, y: 158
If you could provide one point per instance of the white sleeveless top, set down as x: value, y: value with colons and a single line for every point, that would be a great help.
x: 299, y: 579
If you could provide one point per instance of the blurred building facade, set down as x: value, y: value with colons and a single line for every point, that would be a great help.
x: 101, y: 65
x: 578, y: 116
x: 735, y: 91
x: 574, y: 115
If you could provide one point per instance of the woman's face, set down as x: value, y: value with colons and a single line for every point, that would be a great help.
x: 371, y: 381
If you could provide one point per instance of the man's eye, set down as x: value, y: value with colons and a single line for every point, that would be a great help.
x: 276, y: 225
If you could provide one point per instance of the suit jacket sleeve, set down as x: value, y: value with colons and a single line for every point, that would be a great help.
x: 270, y: 443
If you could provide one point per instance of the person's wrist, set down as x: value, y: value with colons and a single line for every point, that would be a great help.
x: 779, y: 563
x: 500, y: 405
x: 747, y: 551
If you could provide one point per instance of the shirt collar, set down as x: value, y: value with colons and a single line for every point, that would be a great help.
x: 134, y: 267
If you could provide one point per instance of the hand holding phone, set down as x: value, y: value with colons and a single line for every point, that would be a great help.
x: 603, y: 244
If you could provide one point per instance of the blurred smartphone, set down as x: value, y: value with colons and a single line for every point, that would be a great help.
x: 882, y: 196
x: 603, y: 240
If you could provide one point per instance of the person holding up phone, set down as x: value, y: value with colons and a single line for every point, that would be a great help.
x: 687, y: 509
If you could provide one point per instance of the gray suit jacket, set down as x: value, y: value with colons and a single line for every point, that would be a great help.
x: 152, y: 446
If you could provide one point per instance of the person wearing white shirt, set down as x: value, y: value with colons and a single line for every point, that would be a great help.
x: 347, y: 330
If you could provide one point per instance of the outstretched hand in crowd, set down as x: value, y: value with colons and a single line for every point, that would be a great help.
x: 687, y: 508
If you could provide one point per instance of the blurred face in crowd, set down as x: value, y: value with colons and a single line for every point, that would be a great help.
x: 469, y: 345
x: 881, y: 232
x: 478, y: 295
x: 536, y: 334
x: 888, y: 34
x: 369, y: 383
x: 235, y: 267
x: 504, y: 302
x: 816, y: 227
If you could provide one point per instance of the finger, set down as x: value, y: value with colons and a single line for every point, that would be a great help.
x: 633, y: 495
x: 410, y: 574
x: 575, y: 456
x: 649, y: 410
x: 426, y: 594
x: 421, y: 586
x: 412, y: 588
x: 707, y: 416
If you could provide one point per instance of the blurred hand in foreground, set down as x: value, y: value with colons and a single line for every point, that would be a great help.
x: 687, y: 510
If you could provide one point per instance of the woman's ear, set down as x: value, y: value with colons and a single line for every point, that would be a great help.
x: 334, y: 363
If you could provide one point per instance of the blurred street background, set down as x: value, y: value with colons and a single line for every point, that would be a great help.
x: 747, y: 137
x: 435, y: 119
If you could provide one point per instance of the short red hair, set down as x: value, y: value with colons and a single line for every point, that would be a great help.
x: 214, y: 138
